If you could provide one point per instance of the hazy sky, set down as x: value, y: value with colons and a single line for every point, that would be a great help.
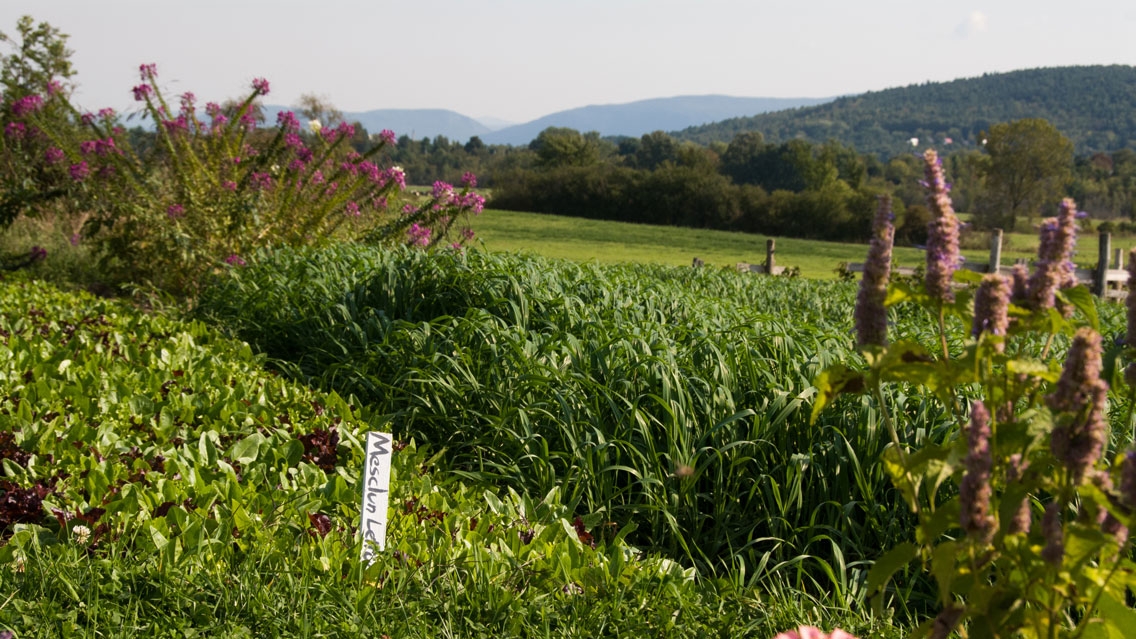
x: 520, y: 59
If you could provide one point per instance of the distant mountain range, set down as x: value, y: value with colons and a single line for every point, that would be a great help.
x: 1094, y: 106
x: 631, y: 119
x: 637, y: 118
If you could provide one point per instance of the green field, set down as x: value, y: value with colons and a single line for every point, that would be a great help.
x: 606, y: 242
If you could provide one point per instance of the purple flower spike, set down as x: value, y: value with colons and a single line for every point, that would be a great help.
x: 942, y: 232
x: 1078, y: 404
x: 870, y: 315
x: 975, y: 490
x: 991, y: 306
x: 260, y: 85
x: 1058, y: 237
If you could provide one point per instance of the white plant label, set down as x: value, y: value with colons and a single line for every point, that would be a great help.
x: 376, y: 494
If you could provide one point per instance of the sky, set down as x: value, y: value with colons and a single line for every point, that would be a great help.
x: 517, y: 60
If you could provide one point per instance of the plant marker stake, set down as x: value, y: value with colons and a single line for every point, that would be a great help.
x: 376, y: 495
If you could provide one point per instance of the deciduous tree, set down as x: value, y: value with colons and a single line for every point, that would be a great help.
x: 1029, y: 164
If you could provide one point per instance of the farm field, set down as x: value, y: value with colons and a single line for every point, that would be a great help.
x: 606, y: 242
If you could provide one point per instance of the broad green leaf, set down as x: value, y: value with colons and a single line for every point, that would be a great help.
x: 888, y: 565
x: 833, y: 381
x: 248, y: 449
x: 1084, y: 301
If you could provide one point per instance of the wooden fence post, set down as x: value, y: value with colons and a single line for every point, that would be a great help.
x: 1119, y: 257
x: 1101, y: 283
x: 770, y: 246
x: 995, y: 251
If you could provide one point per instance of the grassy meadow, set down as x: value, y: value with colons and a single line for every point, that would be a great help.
x: 613, y: 242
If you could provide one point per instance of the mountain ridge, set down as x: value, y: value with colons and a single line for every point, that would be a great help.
x: 1094, y: 106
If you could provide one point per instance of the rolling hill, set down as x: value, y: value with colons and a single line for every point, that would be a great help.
x: 1094, y: 106
x: 644, y: 116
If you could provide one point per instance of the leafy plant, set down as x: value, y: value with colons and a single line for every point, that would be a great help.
x: 1023, y: 517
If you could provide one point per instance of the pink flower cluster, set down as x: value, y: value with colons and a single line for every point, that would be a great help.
x: 418, y: 235
x: 98, y: 147
x: 142, y: 92
x: 387, y: 137
x: 27, y: 104
x: 812, y: 632
x: 260, y: 85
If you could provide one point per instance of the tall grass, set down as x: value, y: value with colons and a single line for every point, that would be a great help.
x: 673, y: 400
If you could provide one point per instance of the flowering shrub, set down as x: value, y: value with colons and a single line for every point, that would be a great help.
x: 1034, y: 542
x: 216, y: 185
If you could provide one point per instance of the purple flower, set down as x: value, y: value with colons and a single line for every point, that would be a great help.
x: 1078, y: 404
x: 27, y: 104
x: 53, y: 87
x: 870, y: 315
x: 75, y: 239
x: 418, y: 235
x: 371, y: 170
x: 187, y: 101
x: 177, y: 125
x: 38, y: 253
x: 16, y: 130
x: 175, y: 211
x: 106, y: 113
x: 212, y: 109
x: 287, y: 121
x: 470, y: 201
x: 1058, y: 237
x: 260, y: 86
x: 942, y: 232
x: 234, y: 260
x: 1054, y: 549
x: 261, y: 180
x: 397, y: 175
x: 229, y: 185
x: 352, y: 209
x: 442, y: 189
x: 387, y: 137
x: 80, y: 171
x: 991, y: 305
x: 469, y: 180
x: 53, y: 155
x: 467, y: 234
x: 147, y: 72
x: 142, y: 92
x: 87, y: 119
x: 975, y: 490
